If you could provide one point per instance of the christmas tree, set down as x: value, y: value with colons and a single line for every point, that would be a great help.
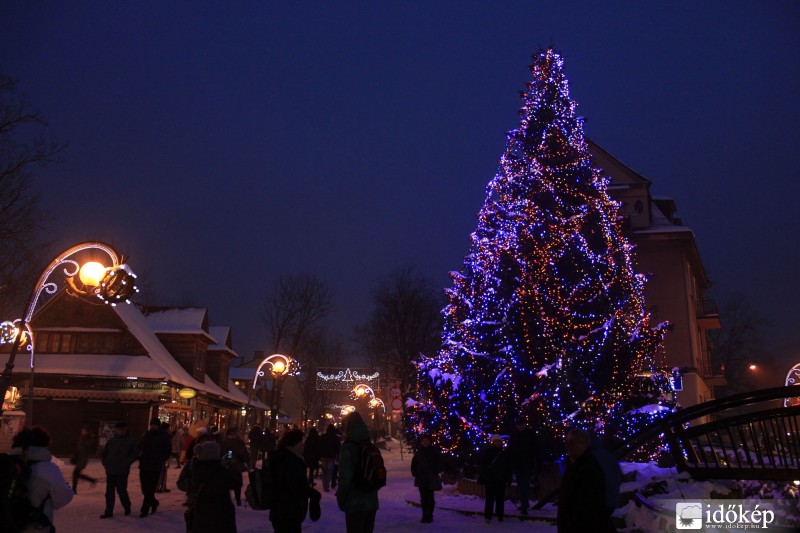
x: 546, y: 319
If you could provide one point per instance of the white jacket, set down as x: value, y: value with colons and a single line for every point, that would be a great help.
x: 45, y: 479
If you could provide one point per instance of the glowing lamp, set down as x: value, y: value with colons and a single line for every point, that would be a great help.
x: 92, y: 273
x: 360, y: 390
x: 278, y: 367
x: 187, y: 393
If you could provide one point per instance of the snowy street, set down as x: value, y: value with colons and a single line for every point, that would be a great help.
x: 395, y: 514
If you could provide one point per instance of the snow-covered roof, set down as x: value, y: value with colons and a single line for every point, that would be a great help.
x: 661, y: 224
x: 139, y: 326
x: 178, y: 320
x: 100, y: 365
x: 242, y: 372
x: 220, y: 335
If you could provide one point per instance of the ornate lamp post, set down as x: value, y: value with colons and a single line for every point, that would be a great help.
x: 111, y: 284
x: 279, y: 366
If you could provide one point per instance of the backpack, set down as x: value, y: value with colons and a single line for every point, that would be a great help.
x: 370, y: 472
x: 261, y: 489
x: 16, y: 510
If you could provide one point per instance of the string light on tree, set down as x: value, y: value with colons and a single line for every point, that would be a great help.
x: 546, y: 318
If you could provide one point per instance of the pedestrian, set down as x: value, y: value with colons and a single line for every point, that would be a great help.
x: 210, y: 509
x: 582, y: 496
x: 329, y: 446
x: 257, y: 445
x: 359, y: 506
x: 154, y: 450
x: 118, y: 455
x: 177, y: 443
x: 234, y: 448
x: 311, y: 454
x: 47, y: 488
x: 292, y: 491
x: 495, y: 476
x: 162, y: 478
x: 426, y: 467
x: 612, y: 473
x: 526, y: 461
x: 83, y: 449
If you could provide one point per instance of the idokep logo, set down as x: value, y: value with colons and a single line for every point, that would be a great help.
x: 689, y: 515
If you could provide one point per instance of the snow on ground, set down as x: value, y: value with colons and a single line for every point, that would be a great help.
x: 396, y: 514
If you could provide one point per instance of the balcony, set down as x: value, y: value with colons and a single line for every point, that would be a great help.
x: 707, y: 314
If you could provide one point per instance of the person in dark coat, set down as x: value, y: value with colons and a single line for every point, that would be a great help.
x: 526, y: 461
x: 495, y: 475
x: 234, y: 447
x: 154, y: 450
x: 118, y: 455
x: 311, y: 454
x: 83, y: 450
x: 426, y: 467
x: 582, y: 496
x: 292, y: 490
x: 360, y: 506
x: 329, y: 445
x: 210, y: 509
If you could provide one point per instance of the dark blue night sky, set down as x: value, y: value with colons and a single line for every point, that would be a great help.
x: 224, y: 144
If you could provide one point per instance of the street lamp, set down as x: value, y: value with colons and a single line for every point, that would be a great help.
x: 279, y: 366
x: 111, y: 284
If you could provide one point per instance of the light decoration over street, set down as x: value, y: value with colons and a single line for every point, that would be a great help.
x: 343, y: 380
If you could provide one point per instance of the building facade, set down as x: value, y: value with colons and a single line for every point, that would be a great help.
x: 666, y: 251
x: 96, y: 365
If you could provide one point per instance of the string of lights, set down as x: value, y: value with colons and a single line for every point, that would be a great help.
x: 546, y: 319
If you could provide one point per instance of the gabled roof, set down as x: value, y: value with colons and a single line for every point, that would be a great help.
x: 185, y: 320
x: 613, y: 167
x: 222, y: 339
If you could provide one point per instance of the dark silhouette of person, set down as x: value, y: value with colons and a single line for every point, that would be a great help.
x: 582, y: 496
x: 211, y: 509
x: 292, y: 491
x: 526, y: 461
x: 495, y: 476
x: 329, y: 446
x: 118, y: 455
x: 83, y: 450
x: 234, y: 446
x: 311, y: 454
x: 426, y: 465
x: 360, y: 506
x: 154, y: 450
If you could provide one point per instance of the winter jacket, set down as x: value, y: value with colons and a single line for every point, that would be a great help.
x: 119, y: 454
x: 83, y: 450
x: 426, y: 466
x: 582, y: 497
x: 212, y: 506
x: 495, y: 466
x: 329, y: 444
x: 525, y: 452
x: 311, y: 450
x: 154, y: 450
x: 239, y: 455
x: 292, y: 491
x: 350, y: 498
x: 45, y: 479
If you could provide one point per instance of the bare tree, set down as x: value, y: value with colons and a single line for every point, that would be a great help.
x: 296, y: 305
x: 293, y: 312
x: 22, y: 148
x: 738, y: 343
x: 405, y: 322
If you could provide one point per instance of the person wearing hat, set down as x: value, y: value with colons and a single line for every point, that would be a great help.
x: 293, y: 497
x: 426, y: 467
x: 154, y: 450
x: 118, y: 455
x: 210, y: 509
x: 495, y: 475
